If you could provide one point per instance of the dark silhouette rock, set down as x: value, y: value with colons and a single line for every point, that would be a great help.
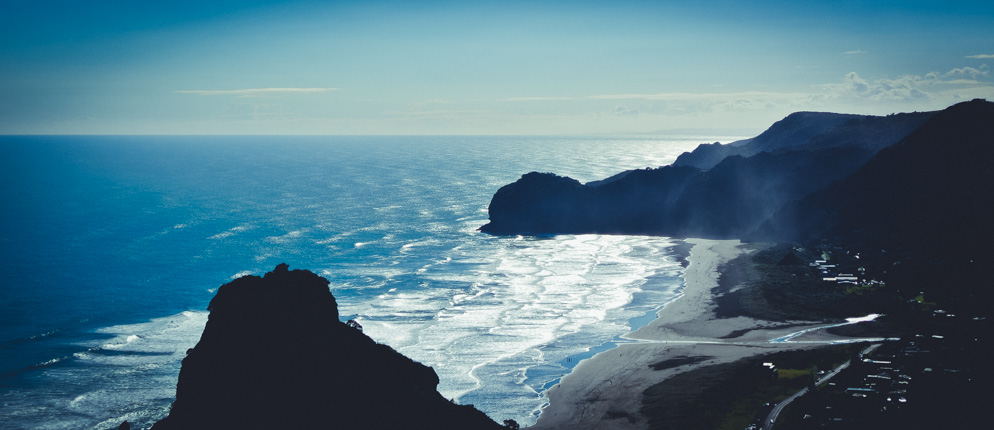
x: 275, y: 355
x: 543, y: 203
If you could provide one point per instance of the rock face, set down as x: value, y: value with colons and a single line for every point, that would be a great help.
x: 275, y: 355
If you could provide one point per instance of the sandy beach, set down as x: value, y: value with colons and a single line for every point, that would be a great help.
x: 605, y: 391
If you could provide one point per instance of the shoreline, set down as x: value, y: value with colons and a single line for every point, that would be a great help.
x: 605, y: 391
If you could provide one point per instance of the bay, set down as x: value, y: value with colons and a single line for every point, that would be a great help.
x: 112, y: 246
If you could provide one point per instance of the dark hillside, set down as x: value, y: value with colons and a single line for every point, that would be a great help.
x: 928, y: 199
x: 813, y: 131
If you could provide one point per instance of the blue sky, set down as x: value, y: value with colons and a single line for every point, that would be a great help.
x: 562, y: 68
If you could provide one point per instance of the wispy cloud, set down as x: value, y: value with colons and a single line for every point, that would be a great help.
x: 856, y: 52
x: 971, y: 72
x: 624, y: 110
x: 255, y: 92
x: 700, y: 96
x: 907, y: 88
x: 960, y: 82
x: 981, y: 56
x: 432, y: 102
x: 535, y: 99
x: 442, y: 113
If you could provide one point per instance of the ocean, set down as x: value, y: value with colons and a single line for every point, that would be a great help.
x: 112, y: 247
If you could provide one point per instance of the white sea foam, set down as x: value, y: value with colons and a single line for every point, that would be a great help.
x: 231, y: 232
x: 130, y: 376
x: 286, y: 238
x: 239, y: 275
x: 50, y: 362
x: 514, y: 310
x: 169, y: 337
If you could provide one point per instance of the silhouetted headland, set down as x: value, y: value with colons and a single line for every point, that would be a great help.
x: 275, y: 355
x: 716, y: 191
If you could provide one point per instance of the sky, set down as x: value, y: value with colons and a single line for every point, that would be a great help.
x: 480, y: 68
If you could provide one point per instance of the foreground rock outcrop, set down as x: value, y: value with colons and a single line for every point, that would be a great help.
x: 275, y: 355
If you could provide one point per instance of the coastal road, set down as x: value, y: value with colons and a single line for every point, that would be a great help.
x: 772, y: 417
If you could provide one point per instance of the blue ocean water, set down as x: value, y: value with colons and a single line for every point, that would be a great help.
x: 112, y: 246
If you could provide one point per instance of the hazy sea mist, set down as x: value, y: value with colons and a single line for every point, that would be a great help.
x: 111, y: 248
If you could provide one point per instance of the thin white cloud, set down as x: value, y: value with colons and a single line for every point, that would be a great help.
x: 624, y: 110
x: 970, y: 72
x: 905, y: 88
x: 701, y: 96
x: 254, y: 92
x: 534, y: 99
x: 423, y: 103
x: 441, y: 113
x: 856, y: 52
x: 960, y: 82
x: 981, y: 56
x: 909, y: 88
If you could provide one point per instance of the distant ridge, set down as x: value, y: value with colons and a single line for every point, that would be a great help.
x: 812, y: 131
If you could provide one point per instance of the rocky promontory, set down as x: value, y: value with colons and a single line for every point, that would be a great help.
x: 275, y: 355
x: 716, y: 191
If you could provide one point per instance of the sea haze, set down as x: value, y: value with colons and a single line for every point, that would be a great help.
x: 113, y: 246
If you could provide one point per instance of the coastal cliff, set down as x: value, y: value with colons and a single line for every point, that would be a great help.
x: 727, y: 201
x: 720, y: 191
x: 275, y: 355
